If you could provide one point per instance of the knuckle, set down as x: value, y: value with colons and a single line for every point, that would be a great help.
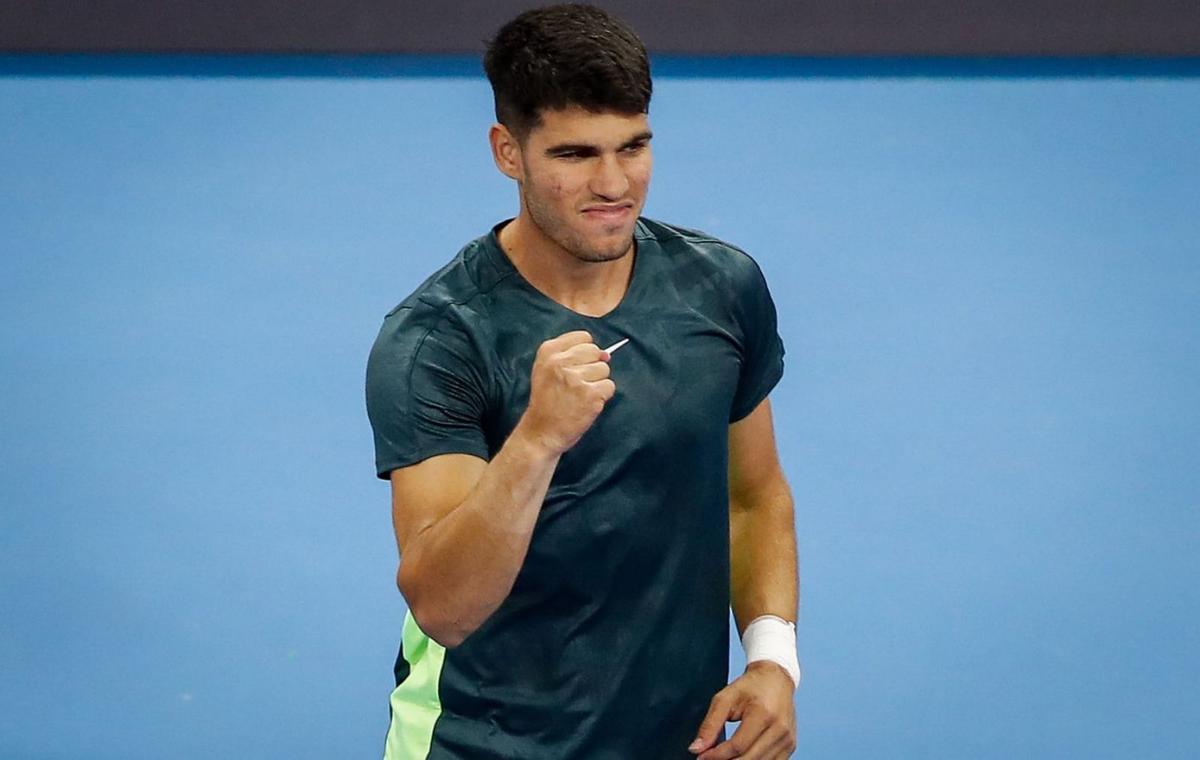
x: 571, y: 354
x: 587, y: 353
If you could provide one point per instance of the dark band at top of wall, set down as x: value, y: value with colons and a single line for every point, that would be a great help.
x: 325, y: 66
x: 829, y: 28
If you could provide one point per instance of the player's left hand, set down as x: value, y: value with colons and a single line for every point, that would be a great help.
x: 761, y: 698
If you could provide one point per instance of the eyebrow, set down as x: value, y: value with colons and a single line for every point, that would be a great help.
x: 563, y: 148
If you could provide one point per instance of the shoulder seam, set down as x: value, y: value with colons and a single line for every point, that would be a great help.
x: 441, y: 315
x: 700, y: 237
x: 478, y: 292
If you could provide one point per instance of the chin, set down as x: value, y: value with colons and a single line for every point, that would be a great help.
x: 607, y: 248
x: 599, y: 257
x: 598, y: 254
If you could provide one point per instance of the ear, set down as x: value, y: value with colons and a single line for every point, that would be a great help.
x: 506, y: 152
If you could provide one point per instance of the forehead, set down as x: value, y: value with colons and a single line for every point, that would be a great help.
x: 583, y: 127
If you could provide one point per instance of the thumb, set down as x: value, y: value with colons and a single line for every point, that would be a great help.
x: 710, y: 727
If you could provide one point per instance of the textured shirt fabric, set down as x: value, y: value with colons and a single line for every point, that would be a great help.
x: 615, y: 636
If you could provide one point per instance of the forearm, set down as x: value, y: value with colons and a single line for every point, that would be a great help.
x: 457, y: 571
x: 762, y: 535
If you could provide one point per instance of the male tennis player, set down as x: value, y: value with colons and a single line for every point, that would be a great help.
x: 573, y: 416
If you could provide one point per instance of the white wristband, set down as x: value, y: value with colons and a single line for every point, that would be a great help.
x: 769, y: 637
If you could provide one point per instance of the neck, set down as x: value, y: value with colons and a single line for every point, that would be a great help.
x: 591, y: 288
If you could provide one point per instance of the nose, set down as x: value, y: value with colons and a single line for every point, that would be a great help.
x: 610, y: 181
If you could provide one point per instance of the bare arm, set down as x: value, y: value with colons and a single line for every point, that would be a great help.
x: 762, y: 532
x: 463, y: 525
x: 763, y: 581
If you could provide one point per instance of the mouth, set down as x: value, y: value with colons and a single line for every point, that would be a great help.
x: 608, y: 214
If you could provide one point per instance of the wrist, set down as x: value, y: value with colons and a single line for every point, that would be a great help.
x: 531, y: 443
x: 771, y: 639
x: 769, y: 666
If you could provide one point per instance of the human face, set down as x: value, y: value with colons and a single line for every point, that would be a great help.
x: 584, y: 178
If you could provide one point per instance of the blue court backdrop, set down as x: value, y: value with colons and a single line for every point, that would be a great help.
x: 989, y: 289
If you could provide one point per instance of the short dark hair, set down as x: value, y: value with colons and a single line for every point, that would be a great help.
x: 566, y: 55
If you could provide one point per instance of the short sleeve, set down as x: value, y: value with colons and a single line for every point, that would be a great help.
x: 425, y: 392
x: 762, y: 348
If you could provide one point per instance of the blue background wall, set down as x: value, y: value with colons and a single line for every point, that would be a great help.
x: 989, y: 288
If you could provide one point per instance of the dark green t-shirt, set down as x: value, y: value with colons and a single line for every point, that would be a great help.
x: 615, y: 636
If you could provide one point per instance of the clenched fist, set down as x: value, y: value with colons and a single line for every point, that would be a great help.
x: 569, y: 386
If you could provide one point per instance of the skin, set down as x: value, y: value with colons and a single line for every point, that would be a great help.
x: 762, y: 553
x: 583, y: 179
x: 463, y: 525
